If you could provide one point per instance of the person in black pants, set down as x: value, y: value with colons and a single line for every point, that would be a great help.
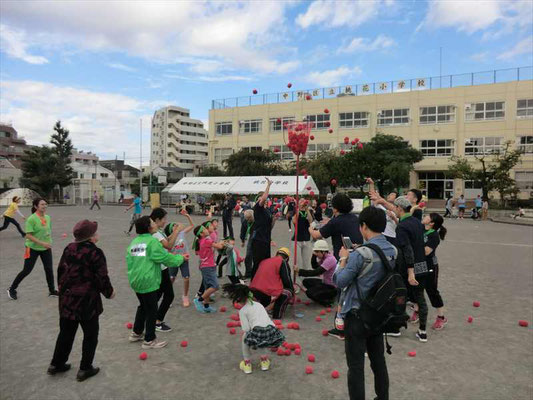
x: 227, y: 214
x: 263, y: 223
x: 9, y: 215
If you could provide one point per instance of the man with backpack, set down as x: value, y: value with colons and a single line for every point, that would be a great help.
x: 358, y: 274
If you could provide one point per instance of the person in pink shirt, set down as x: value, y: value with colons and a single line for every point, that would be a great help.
x: 322, y: 291
x: 203, y: 245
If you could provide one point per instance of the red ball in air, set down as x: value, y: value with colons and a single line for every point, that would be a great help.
x: 308, y: 97
x: 184, y: 343
x: 311, y: 193
x: 335, y: 374
x: 318, y: 319
x: 412, y: 354
x: 305, y: 176
x: 298, y: 351
x: 303, y: 171
x: 143, y: 356
x: 278, y: 120
x: 232, y: 331
x: 334, y: 182
x: 326, y: 111
x: 356, y: 140
x: 254, y: 91
x: 470, y: 319
x: 308, y: 187
x: 237, y: 207
x: 311, y: 137
x: 129, y: 325
x: 323, y: 206
x: 346, y: 140
x: 222, y: 309
x: 324, y: 332
x: 523, y: 323
x: 327, y: 124
x: 289, y: 85
x: 343, y: 152
x: 311, y: 358
x: 353, y: 143
x: 359, y: 146
x: 330, y: 130
x: 476, y: 303
x: 308, y: 370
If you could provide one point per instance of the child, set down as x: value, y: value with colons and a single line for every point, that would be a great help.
x: 259, y: 330
x: 203, y: 245
x: 181, y: 247
x: 434, y: 233
x: 232, y: 259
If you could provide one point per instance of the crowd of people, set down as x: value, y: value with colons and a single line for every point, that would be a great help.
x: 392, y: 232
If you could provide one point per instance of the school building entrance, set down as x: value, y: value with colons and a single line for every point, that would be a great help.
x: 435, y: 185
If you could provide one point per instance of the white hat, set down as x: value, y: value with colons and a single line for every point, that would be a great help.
x: 321, y: 245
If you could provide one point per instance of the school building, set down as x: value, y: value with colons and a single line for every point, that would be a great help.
x: 467, y: 115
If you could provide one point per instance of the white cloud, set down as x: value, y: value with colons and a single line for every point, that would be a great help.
x: 226, y: 34
x: 480, y: 57
x: 336, y: 13
x: 15, y: 44
x: 105, y: 123
x: 333, y: 77
x: 525, y: 46
x: 360, y: 44
x: 121, y: 67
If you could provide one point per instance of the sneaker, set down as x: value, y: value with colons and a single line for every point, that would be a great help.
x: 414, y: 317
x: 154, y: 344
x: 290, y: 230
x: 336, y: 334
x: 209, y: 309
x: 246, y: 367
x: 52, y: 369
x: 393, y: 334
x: 265, y: 364
x: 135, y: 337
x: 12, y: 293
x: 53, y: 293
x: 199, y: 305
x: 84, y: 374
x: 185, y: 301
x: 422, y: 336
x: 162, y: 327
x: 439, y: 323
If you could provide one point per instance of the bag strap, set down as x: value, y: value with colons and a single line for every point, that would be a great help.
x: 380, y: 253
x: 368, y: 267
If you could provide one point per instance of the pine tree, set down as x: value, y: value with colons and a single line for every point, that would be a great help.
x: 63, y: 150
x: 38, y: 170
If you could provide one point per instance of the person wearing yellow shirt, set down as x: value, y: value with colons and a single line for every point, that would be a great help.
x: 9, y: 216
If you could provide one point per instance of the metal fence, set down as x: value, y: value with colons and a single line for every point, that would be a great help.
x: 383, y: 87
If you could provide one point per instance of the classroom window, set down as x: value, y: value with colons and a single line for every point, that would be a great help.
x: 437, y: 148
x: 524, y: 180
x: 485, y: 111
x: 222, y: 154
x: 525, y: 144
x: 320, y: 121
x: 223, y: 128
x: 472, y: 185
x: 314, y: 149
x: 252, y: 148
x: 398, y: 116
x: 250, y: 126
x: 483, y: 145
x: 437, y: 115
x: 276, y: 126
x: 524, y: 108
x: 349, y: 120
x: 283, y: 152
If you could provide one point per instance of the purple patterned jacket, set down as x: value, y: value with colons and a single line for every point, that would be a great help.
x: 81, y: 277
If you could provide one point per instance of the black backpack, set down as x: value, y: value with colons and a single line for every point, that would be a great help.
x: 383, y: 309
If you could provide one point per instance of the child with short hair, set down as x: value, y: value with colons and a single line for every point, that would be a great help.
x: 203, y: 245
x: 259, y: 330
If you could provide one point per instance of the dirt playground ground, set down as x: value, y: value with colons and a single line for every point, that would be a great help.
x: 491, y: 358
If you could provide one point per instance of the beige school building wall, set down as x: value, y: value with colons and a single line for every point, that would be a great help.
x: 460, y: 122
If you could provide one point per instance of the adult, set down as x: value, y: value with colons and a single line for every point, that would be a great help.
x: 449, y: 207
x: 96, y: 198
x: 272, y: 284
x: 201, y: 203
x: 461, y: 205
x: 245, y: 205
x: 392, y: 220
x: 9, y: 216
x: 137, y: 211
x: 358, y: 339
x: 227, y: 214
x: 323, y: 291
x: 485, y: 209
x: 303, y: 221
x: 343, y: 224
x: 415, y: 197
x: 246, y: 239
x: 263, y: 223
x: 144, y: 257
x: 317, y: 210
x: 38, y: 244
x: 121, y: 198
x: 81, y: 278
x: 291, y: 209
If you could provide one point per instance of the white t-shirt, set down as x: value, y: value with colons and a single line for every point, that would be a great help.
x: 390, y: 228
x: 180, y: 246
x: 252, y: 315
x: 160, y: 236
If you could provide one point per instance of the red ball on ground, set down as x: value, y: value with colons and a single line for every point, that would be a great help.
x: 274, y: 349
x: 523, y: 323
x: 184, y: 343
x: 129, y: 325
x: 232, y: 331
x: 287, y: 352
x: 318, y: 319
x: 143, y: 356
x: 470, y: 319
x: 298, y: 300
x: 277, y: 321
x: 328, y: 309
x: 412, y: 354
x: 234, y: 317
x: 223, y: 309
x: 311, y: 358
x: 297, y: 345
x: 307, y: 302
x: 237, y: 306
x: 230, y: 324
x: 289, y: 325
x: 308, y: 370
x: 298, y: 352
x: 335, y: 374
x: 280, y: 352
x: 296, y: 326
x: 322, y: 312
x: 292, y: 346
x: 324, y: 332
x: 285, y: 344
x: 476, y: 303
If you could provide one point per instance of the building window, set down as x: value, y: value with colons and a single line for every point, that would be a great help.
x: 321, y: 121
x: 222, y: 154
x: 224, y: 128
x: 276, y: 126
x: 353, y: 120
x: 437, y: 115
x: 525, y: 144
x: 473, y: 185
x: 313, y: 150
x: 485, y: 111
x: 252, y: 148
x: 524, y: 180
x: 398, y: 116
x: 486, y: 145
x: 437, y: 148
x: 524, y: 108
x: 283, y: 152
x: 250, y: 126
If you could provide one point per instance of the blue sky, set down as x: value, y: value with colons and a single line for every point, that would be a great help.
x: 100, y: 66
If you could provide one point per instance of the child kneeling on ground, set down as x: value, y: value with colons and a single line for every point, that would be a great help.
x: 259, y: 330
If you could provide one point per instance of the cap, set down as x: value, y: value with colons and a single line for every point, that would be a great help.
x: 402, y: 202
x: 284, y: 250
x: 84, y: 230
x: 321, y: 245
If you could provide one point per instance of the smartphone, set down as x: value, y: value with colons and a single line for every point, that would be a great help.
x: 347, y: 242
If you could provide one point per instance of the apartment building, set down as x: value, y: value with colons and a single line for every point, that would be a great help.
x: 467, y: 115
x: 177, y: 140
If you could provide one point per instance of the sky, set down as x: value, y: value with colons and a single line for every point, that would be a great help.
x: 103, y: 66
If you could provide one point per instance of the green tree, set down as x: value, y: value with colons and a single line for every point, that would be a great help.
x: 63, y: 150
x: 244, y: 163
x: 212, y: 170
x: 39, y: 169
x: 323, y: 168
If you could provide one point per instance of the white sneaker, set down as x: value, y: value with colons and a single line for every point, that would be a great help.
x: 135, y: 338
x: 154, y: 344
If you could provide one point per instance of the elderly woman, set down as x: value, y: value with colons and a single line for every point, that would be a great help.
x: 82, y: 276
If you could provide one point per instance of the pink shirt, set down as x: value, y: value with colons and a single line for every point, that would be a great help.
x: 214, y: 236
x: 206, y: 253
x: 329, y: 263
